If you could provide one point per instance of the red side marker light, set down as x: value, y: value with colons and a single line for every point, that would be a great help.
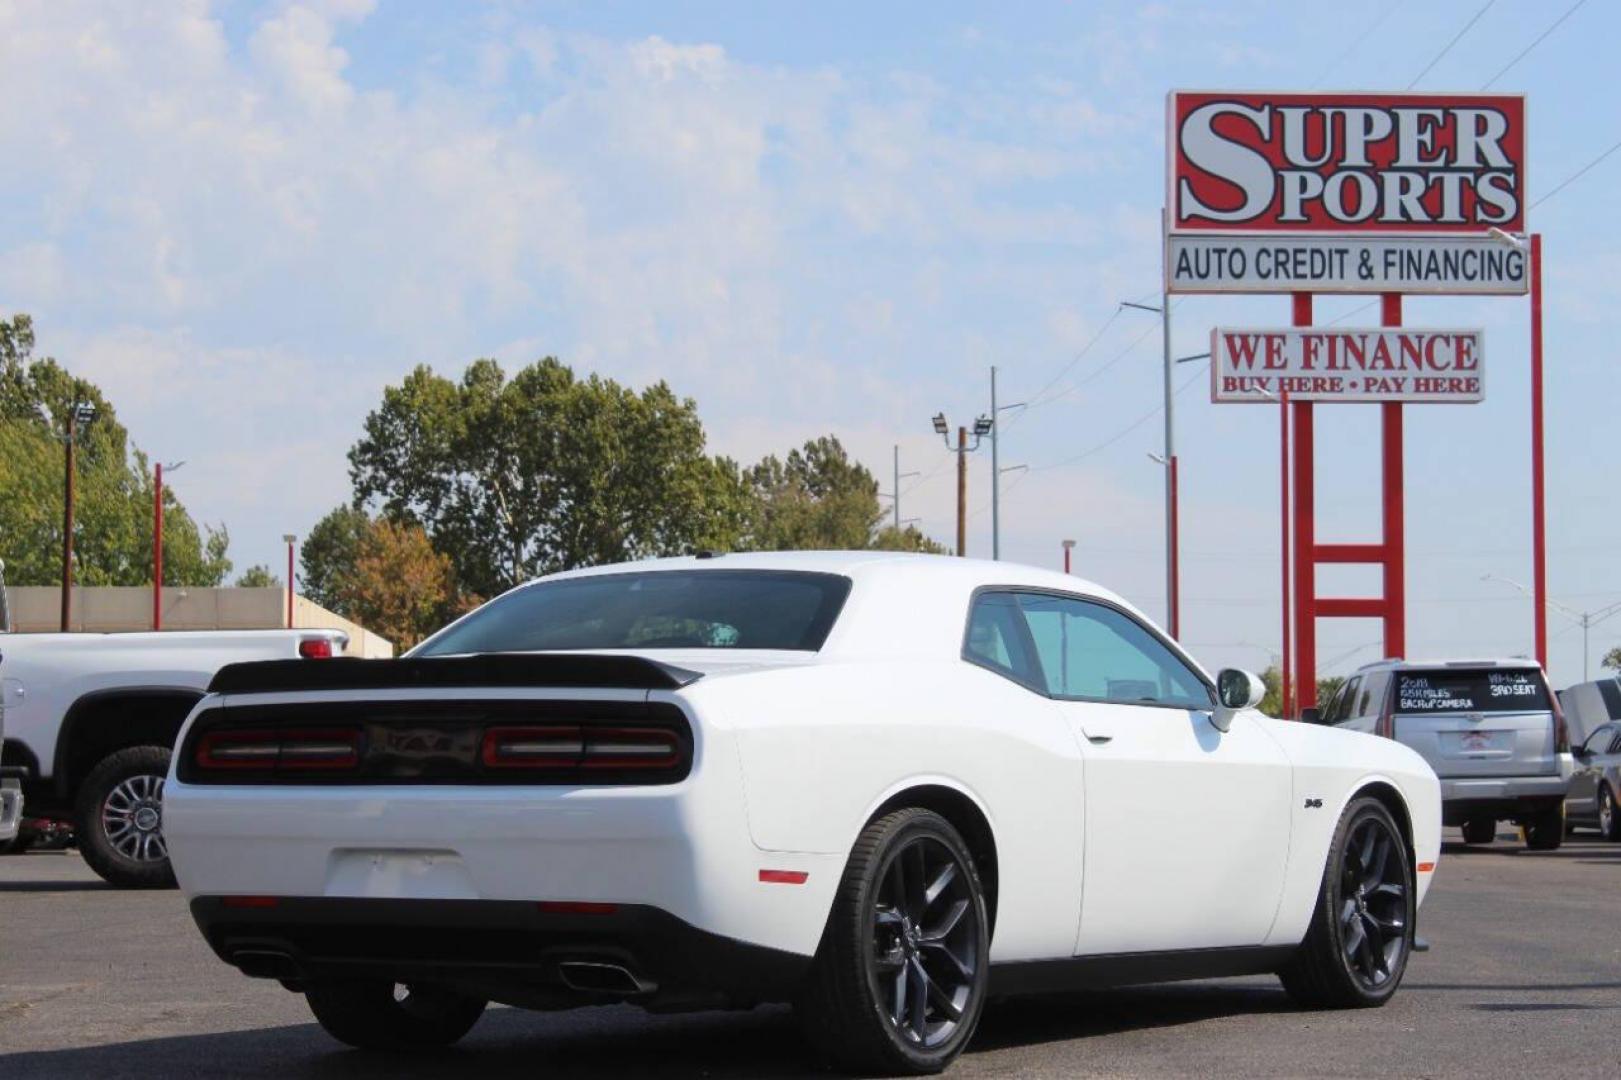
x: 576, y: 907
x: 251, y: 901
x: 1425, y: 867
x: 784, y: 877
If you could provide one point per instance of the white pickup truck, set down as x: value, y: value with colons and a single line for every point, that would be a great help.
x: 89, y: 719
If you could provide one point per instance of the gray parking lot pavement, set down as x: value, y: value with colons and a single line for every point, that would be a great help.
x: 1524, y: 979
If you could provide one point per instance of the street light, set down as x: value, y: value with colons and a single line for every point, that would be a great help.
x: 1172, y: 605
x: 1068, y: 545
x: 1585, y: 619
x: 982, y: 426
x: 157, y: 542
x: 289, y: 539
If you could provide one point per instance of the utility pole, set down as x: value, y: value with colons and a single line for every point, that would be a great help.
x: 80, y: 413
x: 982, y: 427
x: 289, y: 539
x: 895, y: 491
x: 1168, y: 459
x: 157, y: 542
x: 996, y: 472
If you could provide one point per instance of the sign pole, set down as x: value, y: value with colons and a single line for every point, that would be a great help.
x: 1539, y: 521
x: 1395, y: 526
x: 1305, y: 574
x: 1285, y: 676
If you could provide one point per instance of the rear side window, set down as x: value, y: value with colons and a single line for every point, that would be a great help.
x: 997, y: 639
x: 1478, y: 690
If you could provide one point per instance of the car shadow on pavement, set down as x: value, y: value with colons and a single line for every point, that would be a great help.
x: 55, y: 886
x: 616, y: 1042
x: 1598, y: 851
x: 1058, y: 1017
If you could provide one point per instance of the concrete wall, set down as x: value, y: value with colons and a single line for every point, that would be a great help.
x: 115, y: 609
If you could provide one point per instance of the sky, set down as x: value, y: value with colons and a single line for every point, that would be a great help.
x: 244, y: 220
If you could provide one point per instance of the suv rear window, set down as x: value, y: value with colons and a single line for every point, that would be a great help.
x: 1470, y: 691
x: 662, y: 609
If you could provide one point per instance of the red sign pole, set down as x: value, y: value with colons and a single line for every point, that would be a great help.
x: 1395, y: 576
x: 1305, y: 572
x: 1539, y: 519
x: 1285, y: 676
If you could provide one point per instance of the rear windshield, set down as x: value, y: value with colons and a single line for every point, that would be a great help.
x: 666, y: 609
x: 1470, y: 691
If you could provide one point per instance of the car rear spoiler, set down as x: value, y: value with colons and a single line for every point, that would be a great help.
x: 571, y: 670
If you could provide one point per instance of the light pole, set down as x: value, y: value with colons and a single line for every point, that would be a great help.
x: 82, y: 413
x: 1585, y: 619
x: 996, y: 472
x: 157, y: 542
x: 1171, y: 600
x: 982, y: 427
x: 895, y: 491
x: 289, y: 539
x: 1069, y: 545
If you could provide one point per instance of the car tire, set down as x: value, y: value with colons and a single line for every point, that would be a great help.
x: 1609, y: 815
x: 1479, y: 831
x: 381, y: 1015
x: 1545, y: 831
x: 1361, y: 934
x: 909, y: 925
x: 118, y: 818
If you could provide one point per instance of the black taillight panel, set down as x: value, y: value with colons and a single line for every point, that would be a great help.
x: 439, y: 742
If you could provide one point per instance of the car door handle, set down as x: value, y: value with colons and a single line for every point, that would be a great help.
x: 1098, y: 740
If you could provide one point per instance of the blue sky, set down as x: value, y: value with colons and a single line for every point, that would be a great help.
x: 246, y: 219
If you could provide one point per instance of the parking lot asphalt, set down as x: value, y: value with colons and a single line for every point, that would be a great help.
x: 1524, y: 979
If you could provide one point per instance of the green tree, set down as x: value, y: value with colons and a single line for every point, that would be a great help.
x: 258, y: 576
x: 816, y: 498
x: 1272, y: 703
x: 1612, y: 659
x: 328, y: 555
x: 545, y: 471
x: 909, y: 538
x: 113, y: 500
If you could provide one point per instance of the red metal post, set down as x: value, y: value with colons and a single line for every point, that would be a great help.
x: 1539, y: 522
x: 1175, y: 554
x: 289, y: 584
x: 1395, y: 530
x: 157, y: 547
x: 1305, y: 572
x: 1285, y: 676
x: 1066, y: 558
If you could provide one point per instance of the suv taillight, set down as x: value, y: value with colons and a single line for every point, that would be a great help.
x: 315, y: 648
x: 1387, y: 714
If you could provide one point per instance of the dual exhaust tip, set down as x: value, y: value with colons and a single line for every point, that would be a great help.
x: 585, y: 976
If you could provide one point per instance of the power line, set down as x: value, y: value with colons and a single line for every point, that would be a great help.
x: 1455, y: 39
x: 1324, y: 72
x: 1573, y: 177
x: 1122, y: 433
x: 1539, y: 39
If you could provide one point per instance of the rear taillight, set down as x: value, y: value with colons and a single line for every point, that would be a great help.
x: 278, y: 750
x: 568, y: 746
x: 319, y: 648
x: 1386, y: 725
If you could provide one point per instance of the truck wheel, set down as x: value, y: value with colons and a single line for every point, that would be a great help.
x: 1546, y: 831
x: 1479, y: 831
x: 118, y: 816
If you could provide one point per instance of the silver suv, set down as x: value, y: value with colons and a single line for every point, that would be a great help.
x: 1491, y: 730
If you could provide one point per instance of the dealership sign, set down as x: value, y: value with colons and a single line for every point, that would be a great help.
x: 1438, y: 366
x: 1345, y: 192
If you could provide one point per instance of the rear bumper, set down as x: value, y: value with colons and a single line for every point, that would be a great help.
x: 11, y: 808
x: 1503, y: 796
x: 504, y: 950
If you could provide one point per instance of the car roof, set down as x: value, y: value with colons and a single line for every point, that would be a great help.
x: 1479, y: 663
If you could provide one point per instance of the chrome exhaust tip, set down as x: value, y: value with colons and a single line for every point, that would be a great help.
x: 602, y: 977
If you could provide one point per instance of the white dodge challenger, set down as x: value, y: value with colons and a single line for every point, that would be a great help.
x: 883, y: 787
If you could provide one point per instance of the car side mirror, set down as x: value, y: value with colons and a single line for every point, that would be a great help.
x: 1236, y: 690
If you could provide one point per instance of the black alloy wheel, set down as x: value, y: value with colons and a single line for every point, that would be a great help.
x: 1361, y: 935
x: 925, y: 950
x: 1373, y: 903
x: 899, y: 981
